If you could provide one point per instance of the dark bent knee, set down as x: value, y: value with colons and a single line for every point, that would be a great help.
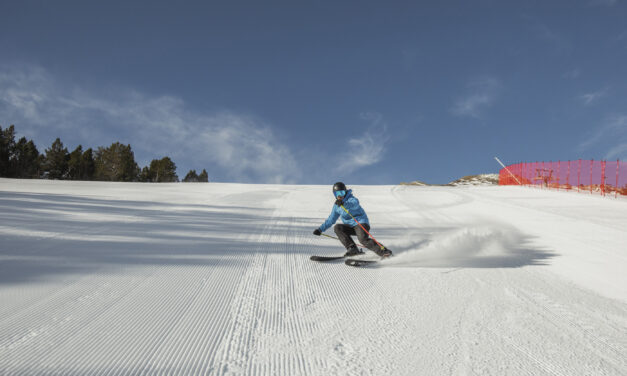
x: 338, y: 229
x: 362, y: 236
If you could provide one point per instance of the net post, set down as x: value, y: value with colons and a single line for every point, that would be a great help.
x: 568, y: 176
x: 603, y: 178
x: 591, y: 164
x: 616, y: 192
x: 579, y: 176
x: 559, y: 173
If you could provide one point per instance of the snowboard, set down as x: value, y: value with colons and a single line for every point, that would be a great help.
x: 325, y: 258
x: 332, y: 258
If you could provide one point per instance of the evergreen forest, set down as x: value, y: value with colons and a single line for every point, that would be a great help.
x: 22, y: 160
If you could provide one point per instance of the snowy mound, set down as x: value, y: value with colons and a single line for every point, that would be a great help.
x: 415, y: 182
x: 482, y: 179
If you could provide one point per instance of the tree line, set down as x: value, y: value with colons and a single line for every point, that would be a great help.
x: 22, y: 160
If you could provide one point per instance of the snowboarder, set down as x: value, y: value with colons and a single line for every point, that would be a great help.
x: 352, y: 219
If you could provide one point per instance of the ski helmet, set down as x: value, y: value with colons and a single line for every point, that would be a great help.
x: 339, y: 186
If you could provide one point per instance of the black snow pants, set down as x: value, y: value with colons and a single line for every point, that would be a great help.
x: 344, y: 233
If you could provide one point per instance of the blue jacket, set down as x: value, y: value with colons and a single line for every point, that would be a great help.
x: 351, y: 203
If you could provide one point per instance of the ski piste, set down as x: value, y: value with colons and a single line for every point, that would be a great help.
x: 354, y: 262
x: 362, y: 262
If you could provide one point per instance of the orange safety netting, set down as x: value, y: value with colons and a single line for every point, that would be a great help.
x: 603, y: 177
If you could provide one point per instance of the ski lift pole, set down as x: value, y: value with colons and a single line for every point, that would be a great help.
x: 362, y: 227
x: 507, y: 169
x: 333, y: 237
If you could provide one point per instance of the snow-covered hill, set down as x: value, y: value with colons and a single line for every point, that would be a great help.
x: 415, y: 182
x: 120, y: 278
x: 481, y: 179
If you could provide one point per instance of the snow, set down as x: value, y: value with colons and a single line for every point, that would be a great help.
x: 123, y: 278
x: 481, y: 179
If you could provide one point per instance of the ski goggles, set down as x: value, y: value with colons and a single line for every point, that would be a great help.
x: 339, y: 193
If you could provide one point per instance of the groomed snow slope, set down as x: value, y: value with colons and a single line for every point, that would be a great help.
x: 114, y: 278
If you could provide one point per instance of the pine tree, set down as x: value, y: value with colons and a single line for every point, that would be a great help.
x: 7, y: 150
x: 116, y: 163
x: 203, y: 177
x: 191, y: 177
x: 81, y: 164
x: 145, y: 176
x: 27, y: 162
x: 74, y: 164
x: 88, y: 166
x: 169, y: 170
x: 56, y: 161
x: 160, y: 171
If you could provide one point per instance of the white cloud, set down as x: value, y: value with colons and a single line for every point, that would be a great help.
x: 242, y: 147
x: 590, y: 98
x: 367, y: 148
x: 481, y: 94
x: 611, y: 134
x: 617, y: 152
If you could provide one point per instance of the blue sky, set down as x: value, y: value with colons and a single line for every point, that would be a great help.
x: 288, y: 92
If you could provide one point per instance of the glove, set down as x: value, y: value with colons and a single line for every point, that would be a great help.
x: 338, y: 202
x: 317, y: 232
